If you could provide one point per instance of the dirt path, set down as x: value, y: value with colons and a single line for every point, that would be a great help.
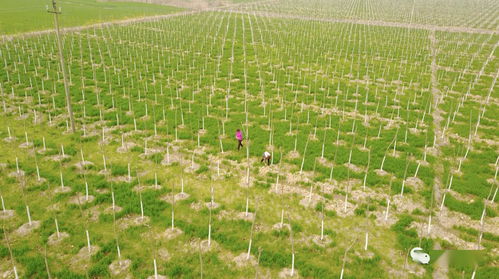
x: 441, y: 266
x: 437, y: 116
x: 371, y: 22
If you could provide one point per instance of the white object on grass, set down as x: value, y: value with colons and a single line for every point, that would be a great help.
x: 419, y: 256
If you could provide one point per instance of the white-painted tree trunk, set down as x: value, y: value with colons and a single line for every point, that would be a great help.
x: 443, y: 202
x: 282, y: 217
x: 17, y: 166
x: 155, y: 270
x: 402, y: 190
x: 88, y: 241
x: 249, y: 249
x: 3, y: 204
x: 57, y: 228
x: 346, y: 202
x: 417, y: 170
x: 104, y: 162
x: 367, y: 241
x: 473, y: 274
x: 38, y: 178
x: 173, y: 219
x: 247, y: 206
x: 322, y: 228
x: 62, y: 180
x: 86, y: 191
x: 450, y: 182
x: 129, y: 173
x: 141, y: 208
x: 29, y: 215
x: 112, y: 197
x: 387, y: 209
x: 429, y: 224
x: 119, y: 251
x: 209, y: 235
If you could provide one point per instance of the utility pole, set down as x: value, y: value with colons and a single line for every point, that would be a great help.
x: 56, y: 13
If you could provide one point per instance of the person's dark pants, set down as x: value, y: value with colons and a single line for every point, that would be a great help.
x: 266, y: 159
x: 240, y: 144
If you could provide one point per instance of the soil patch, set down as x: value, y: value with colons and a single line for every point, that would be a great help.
x: 338, y: 205
x: 125, y: 147
x: 109, y: 210
x: 119, y: 267
x: 247, y: 217
x: 83, y: 164
x: 132, y: 220
x: 17, y: 174
x: 54, y: 239
x: 415, y: 182
x: 81, y: 199
x: 81, y: 260
x: 27, y: 228
x: 65, y: 189
x: 280, y: 226
x: 354, y: 168
x: 326, y: 240
x: 197, y: 244
x: 171, y: 233
x: 143, y: 188
x: 287, y: 273
x: 58, y: 158
x: 7, y: 214
x: 178, y: 197
x: 163, y: 254
x: 243, y: 260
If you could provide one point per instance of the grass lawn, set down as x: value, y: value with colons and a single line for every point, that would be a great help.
x: 30, y: 15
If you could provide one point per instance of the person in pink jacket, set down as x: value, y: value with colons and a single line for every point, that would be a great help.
x: 239, y: 137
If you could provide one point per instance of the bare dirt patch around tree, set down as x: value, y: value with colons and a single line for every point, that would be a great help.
x: 288, y: 273
x: 171, y: 233
x: 132, y: 221
x: 27, y: 228
x: 81, y: 261
x: 56, y: 239
x: 120, y: 267
x: 243, y: 260
x: 81, y: 199
x: 7, y: 214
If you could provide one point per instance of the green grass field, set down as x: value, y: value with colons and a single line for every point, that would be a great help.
x: 31, y: 15
x: 375, y: 130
